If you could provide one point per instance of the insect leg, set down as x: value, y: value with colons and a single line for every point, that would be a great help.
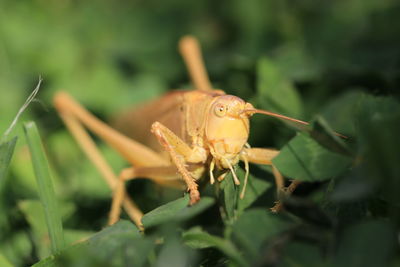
x: 161, y: 175
x: 265, y: 156
x: 134, y: 152
x: 191, y: 53
x: 76, y: 117
x: 94, y: 155
x: 179, y: 152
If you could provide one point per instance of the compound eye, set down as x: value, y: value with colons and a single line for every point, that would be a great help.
x: 220, y: 110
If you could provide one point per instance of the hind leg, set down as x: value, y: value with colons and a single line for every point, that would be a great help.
x: 77, y: 118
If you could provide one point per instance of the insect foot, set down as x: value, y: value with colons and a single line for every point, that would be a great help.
x: 194, y: 196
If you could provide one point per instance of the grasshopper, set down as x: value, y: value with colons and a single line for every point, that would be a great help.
x: 195, y: 133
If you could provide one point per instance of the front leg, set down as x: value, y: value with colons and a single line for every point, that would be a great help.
x: 180, y: 153
x: 265, y: 156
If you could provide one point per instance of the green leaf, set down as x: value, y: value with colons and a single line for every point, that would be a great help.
x: 119, y: 243
x: 230, y: 195
x: 233, y: 204
x: 370, y: 243
x: 255, y: 188
x: 73, y: 236
x: 191, y: 240
x: 6, y: 152
x: 197, y: 238
x: 305, y: 160
x: 276, y: 92
x: 45, y: 186
x: 257, y: 226
x: 177, y: 210
x: 326, y: 137
x: 121, y: 228
x: 115, y: 245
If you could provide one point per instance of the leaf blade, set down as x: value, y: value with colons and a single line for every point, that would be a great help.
x: 6, y: 153
x: 305, y: 160
x: 177, y: 210
x: 45, y: 186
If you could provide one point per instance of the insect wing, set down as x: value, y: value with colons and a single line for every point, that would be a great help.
x: 168, y: 110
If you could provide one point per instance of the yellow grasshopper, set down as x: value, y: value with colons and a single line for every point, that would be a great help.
x: 195, y: 132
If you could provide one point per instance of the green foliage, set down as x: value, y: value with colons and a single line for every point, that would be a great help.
x: 6, y: 152
x: 375, y: 239
x: 252, y: 236
x: 113, y: 246
x: 45, y: 186
x: 304, y: 159
x: 276, y: 92
x: 175, y: 211
x: 232, y: 203
x: 334, y: 64
x: 196, y: 238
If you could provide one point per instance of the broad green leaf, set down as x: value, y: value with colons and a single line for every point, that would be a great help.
x: 45, y: 186
x: 115, y: 245
x: 305, y: 160
x: 191, y: 240
x: 120, y: 243
x: 230, y: 194
x: 256, y: 227
x: 73, y: 236
x: 370, y: 243
x: 255, y: 188
x: 121, y: 228
x: 197, y: 238
x: 6, y: 152
x: 177, y: 210
x: 233, y: 204
x: 276, y: 92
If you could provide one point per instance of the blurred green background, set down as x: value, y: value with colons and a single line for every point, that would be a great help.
x: 300, y: 58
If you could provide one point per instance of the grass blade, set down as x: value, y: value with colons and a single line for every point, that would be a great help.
x: 6, y: 152
x: 45, y: 185
x: 30, y: 98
